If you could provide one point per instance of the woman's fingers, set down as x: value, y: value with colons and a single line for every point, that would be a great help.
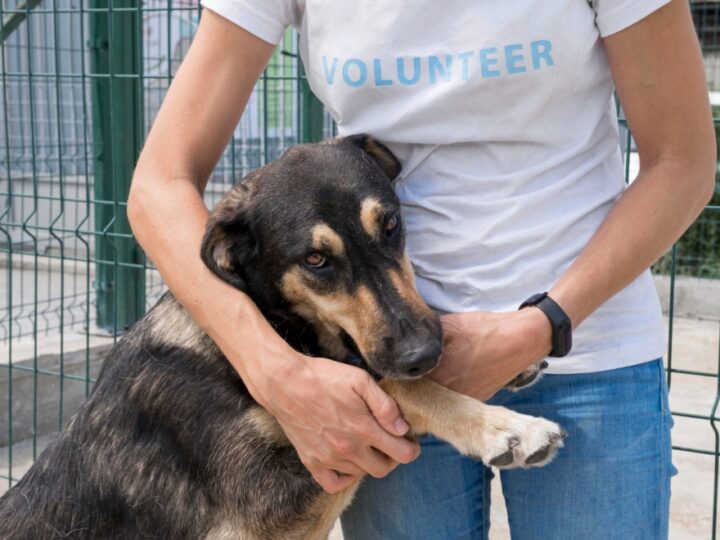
x: 332, y: 481
x: 377, y: 464
x: 342, y: 424
x: 382, y: 406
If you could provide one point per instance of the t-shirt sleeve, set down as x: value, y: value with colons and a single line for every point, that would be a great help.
x: 615, y: 15
x: 266, y: 19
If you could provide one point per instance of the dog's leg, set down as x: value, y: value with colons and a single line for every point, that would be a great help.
x: 495, y: 435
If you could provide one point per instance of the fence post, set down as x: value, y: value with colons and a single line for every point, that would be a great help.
x: 312, y: 111
x: 117, y: 120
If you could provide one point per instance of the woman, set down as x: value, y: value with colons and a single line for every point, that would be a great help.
x: 502, y: 115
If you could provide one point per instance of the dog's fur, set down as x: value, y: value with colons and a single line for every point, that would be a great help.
x: 170, y: 443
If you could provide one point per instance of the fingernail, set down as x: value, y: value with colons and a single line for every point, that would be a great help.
x: 401, y: 426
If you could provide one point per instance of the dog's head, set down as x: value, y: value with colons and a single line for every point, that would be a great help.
x: 318, y: 233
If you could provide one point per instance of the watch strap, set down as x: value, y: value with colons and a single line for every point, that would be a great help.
x: 561, y: 324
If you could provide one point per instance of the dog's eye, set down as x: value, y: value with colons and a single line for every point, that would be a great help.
x: 391, y: 224
x: 315, y: 260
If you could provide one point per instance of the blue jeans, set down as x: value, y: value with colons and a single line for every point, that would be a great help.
x: 611, y: 481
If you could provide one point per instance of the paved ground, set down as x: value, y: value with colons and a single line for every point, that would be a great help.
x: 696, y: 347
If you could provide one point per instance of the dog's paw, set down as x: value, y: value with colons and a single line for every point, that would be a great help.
x: 528, y: 377
x: 513, y: 440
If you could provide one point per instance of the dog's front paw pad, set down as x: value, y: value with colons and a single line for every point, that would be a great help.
x: 503, y: 460
x: 543, y: 444
x: 533, y: 442
x: 539, y: 456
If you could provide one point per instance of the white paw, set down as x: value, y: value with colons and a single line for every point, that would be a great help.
x: 513, y: 440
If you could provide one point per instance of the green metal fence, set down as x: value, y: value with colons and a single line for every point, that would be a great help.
x: 81, y: 82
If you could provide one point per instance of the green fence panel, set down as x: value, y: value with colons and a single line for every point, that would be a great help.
x: 117, y: 121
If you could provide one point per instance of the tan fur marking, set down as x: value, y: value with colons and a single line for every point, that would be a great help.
x: 324, y: 237
x: 385, y: 160
x: 222, y: 255
x: 266, y: 425
x: 370, y: 214
x: 404, y: 282
x: 170, y: 324
x: 474, y: 428
x: 331, y: 344
x: 431, y: 408
x: 327, y: 509
x: 357, y: 314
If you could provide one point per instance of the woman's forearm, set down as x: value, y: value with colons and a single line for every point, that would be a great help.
x: 168, y: 218
x: 652, y: 214
x: 165, y: 207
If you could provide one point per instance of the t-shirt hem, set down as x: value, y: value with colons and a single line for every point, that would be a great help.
x: 598, y: 361
x: 254, y: 22
x: 626, y: 15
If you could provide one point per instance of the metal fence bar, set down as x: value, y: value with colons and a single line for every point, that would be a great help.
x: 118, y: 132
x: 16, y: 18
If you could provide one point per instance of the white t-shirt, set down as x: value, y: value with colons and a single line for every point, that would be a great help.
x: 503, y: 118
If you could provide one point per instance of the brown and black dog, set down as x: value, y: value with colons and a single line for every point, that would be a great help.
x: 170, y: 444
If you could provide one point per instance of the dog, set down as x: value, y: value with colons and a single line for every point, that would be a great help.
x: 170, y: 444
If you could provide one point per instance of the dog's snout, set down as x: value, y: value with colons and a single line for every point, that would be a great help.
x: 405, y: 326
x: 419, y: 361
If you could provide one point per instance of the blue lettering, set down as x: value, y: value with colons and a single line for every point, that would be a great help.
x: 541, y: 50
x: 435, y: 68
x: 512, y: 57
x: 362, y: 73
x: 501, y: 60
x: 464, y: 57
x: 416, y: 71
x: 329, y: 72
x: 377, y: 68
x: 487, y: 63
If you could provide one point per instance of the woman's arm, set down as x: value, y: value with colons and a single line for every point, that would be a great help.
x: 658, y: 72
x: 327, y: 411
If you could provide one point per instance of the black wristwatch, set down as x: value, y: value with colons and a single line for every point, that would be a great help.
x: 561, y: 324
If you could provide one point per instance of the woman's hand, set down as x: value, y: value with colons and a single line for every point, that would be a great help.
x: 484, y: 351
x: 338, y: 419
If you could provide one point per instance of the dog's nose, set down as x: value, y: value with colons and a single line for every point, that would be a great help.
x: 419, y: 361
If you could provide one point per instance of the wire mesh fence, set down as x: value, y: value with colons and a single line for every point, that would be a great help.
x: 81, y: 82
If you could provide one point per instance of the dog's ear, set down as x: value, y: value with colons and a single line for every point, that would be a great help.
x: 382, y: 155
x: 229, y: 244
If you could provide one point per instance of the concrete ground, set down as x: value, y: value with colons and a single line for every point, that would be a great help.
x: 696, y: 346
